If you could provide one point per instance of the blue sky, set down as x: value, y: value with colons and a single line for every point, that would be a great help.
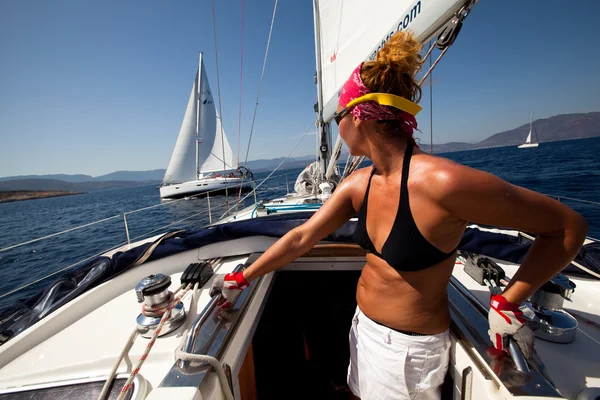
x: 94, y: 87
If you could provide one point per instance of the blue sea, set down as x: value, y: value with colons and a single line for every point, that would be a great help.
x: 570, y: 169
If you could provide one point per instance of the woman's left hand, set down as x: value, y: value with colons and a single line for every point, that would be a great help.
x: 506, y: 321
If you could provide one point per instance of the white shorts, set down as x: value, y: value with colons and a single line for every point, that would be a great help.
x: 386, y: 364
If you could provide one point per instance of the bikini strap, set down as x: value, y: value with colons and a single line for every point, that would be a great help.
x: 404, y: 182
x: 406, y: 165
x: 363, y: 207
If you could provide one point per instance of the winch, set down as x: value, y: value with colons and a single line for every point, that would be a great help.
x: 153, y: 292
x: 545, y: 314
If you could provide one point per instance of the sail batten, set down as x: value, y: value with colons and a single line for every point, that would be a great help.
x: 352, y: 32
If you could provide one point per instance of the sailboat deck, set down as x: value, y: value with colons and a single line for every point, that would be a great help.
x: 82, y: 339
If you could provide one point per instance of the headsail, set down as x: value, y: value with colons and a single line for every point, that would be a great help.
x: 214, y: 162
x: 530, y: 136
x: 351, y: 31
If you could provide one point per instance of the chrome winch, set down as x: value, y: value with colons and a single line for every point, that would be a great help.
x: 545, y: 314
x: 153, y: 292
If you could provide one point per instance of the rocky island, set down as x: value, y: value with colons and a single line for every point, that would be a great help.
x: 17, y: 195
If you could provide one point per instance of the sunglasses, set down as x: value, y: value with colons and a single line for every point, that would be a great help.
x: 384, y: 99
x: 338, y: 116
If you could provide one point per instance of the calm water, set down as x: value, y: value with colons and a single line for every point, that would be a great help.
x: 570, y: 168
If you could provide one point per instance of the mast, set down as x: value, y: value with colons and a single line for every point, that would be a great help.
x: 198, y: 113
x: 322, y: 128
x: 529, y: 137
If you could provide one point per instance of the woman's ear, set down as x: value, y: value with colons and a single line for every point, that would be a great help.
x: 360, y: 124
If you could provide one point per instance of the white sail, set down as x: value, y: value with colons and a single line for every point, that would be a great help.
x: 528, y: 137
x: 207, y: 124
x: 214, y: 162
x: 351, y: 31
x: 182, y: 166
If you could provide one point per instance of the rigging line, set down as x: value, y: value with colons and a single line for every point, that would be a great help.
x: 434, y: 65
x: 59, y: 233
x: 219, y: 93
x: 172, y: 223
x: 430, y: 100
x: 241, y: 185
x: 241, y: 81
x: 64, y: 269
x: 260, y: 83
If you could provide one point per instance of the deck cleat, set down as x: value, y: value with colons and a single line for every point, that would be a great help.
x: 153, y: 292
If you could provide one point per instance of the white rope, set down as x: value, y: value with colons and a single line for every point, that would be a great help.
x: 113, y: 372
x: 155, y: 335
x: 202, y: 358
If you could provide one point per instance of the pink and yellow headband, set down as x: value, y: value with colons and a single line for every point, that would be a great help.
x: 365, y: 105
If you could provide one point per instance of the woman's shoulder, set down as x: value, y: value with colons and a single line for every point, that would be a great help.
x: 356, y: 182
x: 441, y: 177
x: 434, y: 165
x: 359, y: 177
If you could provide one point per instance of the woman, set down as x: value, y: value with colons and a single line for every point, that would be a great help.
x: 413, y: 209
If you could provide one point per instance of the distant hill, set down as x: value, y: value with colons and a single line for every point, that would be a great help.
x: 153, y: 175
x: 54, y: 184
x: 60, y: 177
x: 559, y: 127
x: 269, y: 165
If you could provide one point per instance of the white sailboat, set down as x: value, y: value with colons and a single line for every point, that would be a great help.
x: 531, y: 140
x: 71, y: 342
x: 202, y: 159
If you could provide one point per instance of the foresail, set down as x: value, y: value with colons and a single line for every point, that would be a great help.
x: 528, y: 137
x: 182, y: 166
x: 221, y: 147
x: 351, y: 31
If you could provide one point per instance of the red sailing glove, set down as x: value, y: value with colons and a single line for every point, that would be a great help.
x: 507, y: 320
x: 229, y: 286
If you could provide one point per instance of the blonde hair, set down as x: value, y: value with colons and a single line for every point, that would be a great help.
x: 393, y: 71
x: 395, y: 66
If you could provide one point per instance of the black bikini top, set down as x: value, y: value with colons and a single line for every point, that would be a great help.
x: 405, y: 249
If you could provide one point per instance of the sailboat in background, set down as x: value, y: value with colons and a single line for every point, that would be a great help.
x: 202, y: 159
x: 532, y: 136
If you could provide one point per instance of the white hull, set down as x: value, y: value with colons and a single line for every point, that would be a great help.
x: 203, y: 185
x: 528, y: 145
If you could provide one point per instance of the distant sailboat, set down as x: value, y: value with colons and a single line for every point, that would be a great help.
x: 532, y: 136
x: 202, y: 159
